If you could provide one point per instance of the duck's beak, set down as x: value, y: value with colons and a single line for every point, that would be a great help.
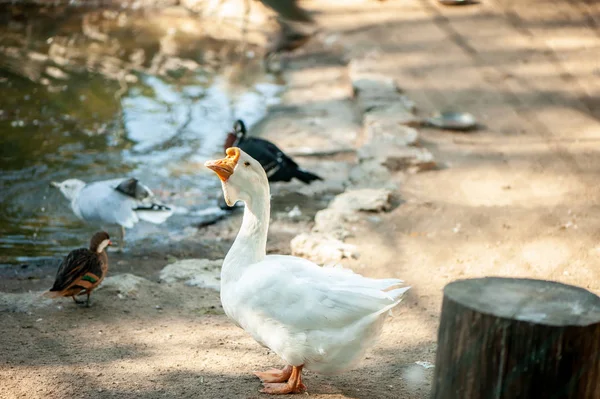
x: 224, y: 167
x: 109, y: 243
x: 54, y: 184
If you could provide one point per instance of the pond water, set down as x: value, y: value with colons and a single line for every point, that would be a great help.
x: 99, y: 94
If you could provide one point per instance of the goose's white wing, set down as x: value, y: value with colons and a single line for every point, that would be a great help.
x: 303, y: 296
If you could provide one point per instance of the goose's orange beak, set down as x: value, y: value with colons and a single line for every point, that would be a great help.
x: 224, y: 167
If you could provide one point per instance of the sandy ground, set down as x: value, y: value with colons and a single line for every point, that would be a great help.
x: 517, y: 198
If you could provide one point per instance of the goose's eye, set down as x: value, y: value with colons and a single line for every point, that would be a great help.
x: 246, y: 163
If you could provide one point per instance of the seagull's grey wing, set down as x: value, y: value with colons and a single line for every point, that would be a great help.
x: 100, y: 202
x: 134, y: 189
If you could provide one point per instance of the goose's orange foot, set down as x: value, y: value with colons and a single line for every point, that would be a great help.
x: 282, y: 388
x: 293, y: 385
x: 275, y: 375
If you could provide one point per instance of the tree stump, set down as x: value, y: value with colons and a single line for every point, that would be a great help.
x: 503, y: 338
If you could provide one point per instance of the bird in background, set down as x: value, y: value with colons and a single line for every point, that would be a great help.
x: 277, y: 164
x: 82, y: 270
x: 122, y: 202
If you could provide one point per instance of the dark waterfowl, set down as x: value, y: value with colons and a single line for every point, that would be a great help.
x: 82, y: 270
x: 279, y: 167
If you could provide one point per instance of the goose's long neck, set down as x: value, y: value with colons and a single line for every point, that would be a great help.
x: 250, y: 245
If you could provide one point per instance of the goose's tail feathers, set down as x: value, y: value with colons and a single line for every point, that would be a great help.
x: 397, y: 293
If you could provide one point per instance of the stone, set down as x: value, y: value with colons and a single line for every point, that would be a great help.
x: 374, y: 94
x: 322, y: 248
x: 389, y: 124
x: 22, y: 302
x: 203, y: 273
x: 371, y: 174
x: 412, y: 159
x: 372, y: 84
x: 334, y: 222
x: 367, y: 199
x: 208, y: 278
x: 126, y: 284
x: 374, y: 90
x: 396, y: 156
x: 335, y: 179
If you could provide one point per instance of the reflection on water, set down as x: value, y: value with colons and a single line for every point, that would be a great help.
x: 97, y: 94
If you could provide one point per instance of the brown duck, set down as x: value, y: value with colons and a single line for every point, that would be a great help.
x: 82, y: 270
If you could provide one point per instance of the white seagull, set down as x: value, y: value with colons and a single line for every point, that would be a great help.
x: 123, y: 202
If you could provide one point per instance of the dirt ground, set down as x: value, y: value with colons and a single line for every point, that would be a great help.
x: 518, y: 197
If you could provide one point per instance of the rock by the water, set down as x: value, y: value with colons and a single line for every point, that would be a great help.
x: 203, y: 273
x: 374, y: 90
x: 125, y: 284
x: 335, y: 222
x: 413, y: 159
x: 321, y: 248
x: 371, y: 174
x: 366, y: 199
x: 389, y: 124
x: 392, y: 152
x: 22, y: 302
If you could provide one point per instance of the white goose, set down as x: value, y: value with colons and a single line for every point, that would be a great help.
x: 321, y: 319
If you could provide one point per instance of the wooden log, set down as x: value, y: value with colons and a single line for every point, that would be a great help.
x: 503, y: 338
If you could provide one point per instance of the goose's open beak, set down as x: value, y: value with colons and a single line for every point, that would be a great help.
x: 224, y: 167
x: 54, y: 184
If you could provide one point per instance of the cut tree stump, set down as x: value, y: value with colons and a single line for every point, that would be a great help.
x: 503, y: 338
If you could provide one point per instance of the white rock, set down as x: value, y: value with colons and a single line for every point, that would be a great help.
x: 295, y: 212
x: 22, y: 302
x: 56, y: 73
x: 125, y: 284
x: 321, y: 248
x: 397, y: 157
x: 335, y: 178
x: 374, y: 90
x: 203, y: 273
x: 371, y: 174
x: 389, y: 123
x: 374, y: 219
x: 208, y: 278
x: 334, y: 222
x: 425, y: 365
x: 367, y: 199
x: 322, y: 187
x: 372, y: 84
